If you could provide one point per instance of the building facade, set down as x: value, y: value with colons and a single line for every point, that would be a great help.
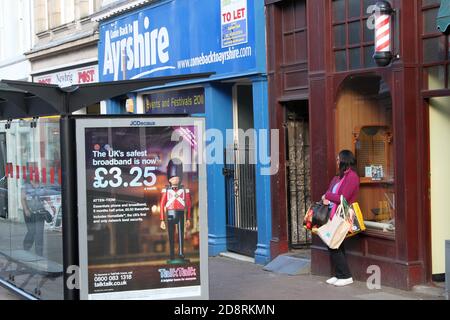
x: 65, y: 43
x: 16, y: 29
x: 137, y: 40
x: 326, y: 93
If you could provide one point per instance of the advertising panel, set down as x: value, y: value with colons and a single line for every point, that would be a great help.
x: 142, y: 208
x: 179, y: 37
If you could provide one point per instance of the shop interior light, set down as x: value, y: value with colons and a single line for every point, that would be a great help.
x: 383, y: 33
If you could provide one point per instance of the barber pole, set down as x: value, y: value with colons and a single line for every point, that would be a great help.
x: 383, y: 31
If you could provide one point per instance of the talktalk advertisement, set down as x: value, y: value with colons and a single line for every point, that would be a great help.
x: 142, y: 210
x: 179, y: 37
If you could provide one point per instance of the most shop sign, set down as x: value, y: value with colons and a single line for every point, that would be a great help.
x: 179, y: 37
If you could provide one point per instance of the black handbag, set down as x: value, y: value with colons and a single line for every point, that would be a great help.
x: 45, y: 215
x: 321, y: 214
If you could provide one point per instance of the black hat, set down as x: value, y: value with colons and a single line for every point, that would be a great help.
x: 175, y: 169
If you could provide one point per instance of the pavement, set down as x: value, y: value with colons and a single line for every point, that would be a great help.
x: 232, y: 279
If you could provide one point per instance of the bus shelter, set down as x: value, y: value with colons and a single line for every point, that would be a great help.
x: 40, y: 209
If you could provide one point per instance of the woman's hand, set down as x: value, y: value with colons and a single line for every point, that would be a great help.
x: 325, y: 202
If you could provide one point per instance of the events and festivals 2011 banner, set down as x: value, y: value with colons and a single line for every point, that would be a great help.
x: 142, y: 209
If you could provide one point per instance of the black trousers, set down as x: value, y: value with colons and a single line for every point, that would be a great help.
x: 175, y: 218
x: 35, y: 233
x: 339, y: 260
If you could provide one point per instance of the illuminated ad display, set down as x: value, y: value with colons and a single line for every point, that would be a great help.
x: 142, y: 208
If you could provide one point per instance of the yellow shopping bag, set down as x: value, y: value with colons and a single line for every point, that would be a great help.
x: 356, y: 220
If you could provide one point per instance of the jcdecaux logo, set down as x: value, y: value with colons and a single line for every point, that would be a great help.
x: 141, y: 123
x: 135, y: 46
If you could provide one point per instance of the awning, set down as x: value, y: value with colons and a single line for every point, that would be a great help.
x: 20, y: 99
x: 443, y: 18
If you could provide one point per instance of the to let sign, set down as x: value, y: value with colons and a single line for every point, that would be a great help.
x: 234, y: 22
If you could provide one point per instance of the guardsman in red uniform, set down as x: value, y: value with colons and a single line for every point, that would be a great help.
x: 175, y: 200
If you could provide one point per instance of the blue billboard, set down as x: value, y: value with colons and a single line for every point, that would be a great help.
x: 179, y: 37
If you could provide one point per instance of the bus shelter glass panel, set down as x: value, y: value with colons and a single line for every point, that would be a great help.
x: 5, y: 224
x: 48, y: 178
x: 33, y: 216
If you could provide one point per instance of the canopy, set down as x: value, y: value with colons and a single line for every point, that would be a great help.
x: 21, y: 99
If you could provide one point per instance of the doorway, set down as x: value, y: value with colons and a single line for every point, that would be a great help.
x: 239, y: 171
x: 298, y: 173
x: 439, y: 117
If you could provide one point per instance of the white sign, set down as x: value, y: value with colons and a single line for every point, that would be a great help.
x: 234, y: 22
x: 71, y: 77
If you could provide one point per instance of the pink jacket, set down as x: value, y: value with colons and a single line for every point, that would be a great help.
x: 349, y: 188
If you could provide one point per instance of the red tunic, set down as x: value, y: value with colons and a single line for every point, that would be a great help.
x: 175, y: 199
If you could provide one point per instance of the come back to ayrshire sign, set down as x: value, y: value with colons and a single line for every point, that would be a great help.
x: 179, y: 37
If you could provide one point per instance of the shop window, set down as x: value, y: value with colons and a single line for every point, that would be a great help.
x: 364, y: 125
x: 372, y: 148
x: 352, y: 37
x: 435, y: 49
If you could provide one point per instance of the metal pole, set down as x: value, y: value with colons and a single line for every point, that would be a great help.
x: 69, y: 202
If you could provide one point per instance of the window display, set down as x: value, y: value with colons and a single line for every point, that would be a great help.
x: 373, y: 149
x: 364, y: 125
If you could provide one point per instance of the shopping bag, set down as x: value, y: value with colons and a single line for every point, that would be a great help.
x: 307, y: 220
x: 321, y: 214
x: 334, y: 232
x: 356, y: 220
x: 316, y: 216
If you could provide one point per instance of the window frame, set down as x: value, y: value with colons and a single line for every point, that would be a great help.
x: 362, y: 45
x: 443, y: 40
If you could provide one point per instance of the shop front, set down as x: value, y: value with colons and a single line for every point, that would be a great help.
x: 392, y: 117
x: 435, y: 101
x: 228, y: 39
